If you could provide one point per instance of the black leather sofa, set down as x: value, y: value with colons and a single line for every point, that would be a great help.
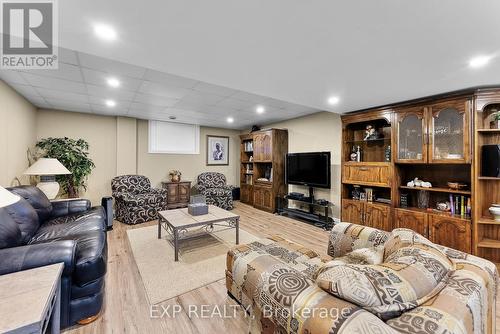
x: 36, y: 232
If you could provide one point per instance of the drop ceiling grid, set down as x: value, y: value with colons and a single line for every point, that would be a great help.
x: 80, y: 85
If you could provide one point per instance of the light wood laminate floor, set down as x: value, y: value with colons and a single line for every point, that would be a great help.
x: 127, y: 309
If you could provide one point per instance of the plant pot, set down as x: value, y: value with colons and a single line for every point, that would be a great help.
x: 495, y: 124
x: 495, y: 211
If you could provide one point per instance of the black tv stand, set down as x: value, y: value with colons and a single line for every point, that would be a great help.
x: 321, y: 220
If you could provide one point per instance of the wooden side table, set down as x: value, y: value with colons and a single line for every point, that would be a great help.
x: 30, y: 300
x: 178, y: 194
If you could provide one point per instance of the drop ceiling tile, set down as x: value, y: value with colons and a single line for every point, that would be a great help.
x: 97, y: 100
x: 99, y: 78
x: 153, y: 88
x: 141, y: 107
x: 25, y: 90
x: 110, y: 66
x: 109, y: 93
x: 38, y: 101
x: 204, y: 99
x: 65, y: 71
x: 214, y: 89
x: 244, y: 96
x: 69, y: 105
x: 232, y: 103
x: 155, y: 100
x: 187, y: 113
x: 104, y: 110
x: 39, y: 81
x: 169, y: 79
x: 60, y: 95
x: 67, y: 56
x: 12, y: 77
x: 218, y: 110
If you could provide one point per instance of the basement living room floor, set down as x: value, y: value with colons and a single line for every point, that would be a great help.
x: 127, y: 309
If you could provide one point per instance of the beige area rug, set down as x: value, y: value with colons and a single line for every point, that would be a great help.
x: 202, y: 260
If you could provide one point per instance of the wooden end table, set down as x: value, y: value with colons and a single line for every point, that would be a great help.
x: 30, y: 300
x: 178, y: 222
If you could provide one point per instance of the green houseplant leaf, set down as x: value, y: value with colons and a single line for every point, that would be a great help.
x: 74, y: 155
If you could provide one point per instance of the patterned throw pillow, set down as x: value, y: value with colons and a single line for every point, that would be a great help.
x: 409, y: 277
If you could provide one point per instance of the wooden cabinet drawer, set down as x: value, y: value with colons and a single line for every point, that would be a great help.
x: 376, y: 175
x: 263, y: 198
x: 414, y: 220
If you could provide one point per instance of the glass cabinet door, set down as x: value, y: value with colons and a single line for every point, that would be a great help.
x: 448, y: 132
x: 410, y: 135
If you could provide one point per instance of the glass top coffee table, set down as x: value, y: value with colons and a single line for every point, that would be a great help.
x: 179, y: 222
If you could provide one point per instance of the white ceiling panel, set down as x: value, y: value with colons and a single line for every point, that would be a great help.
x: 149, y: 87
x: 54, y: 83
x: 110, y: 66
x: 169, y: 79
x: 99, y: 78
x: 80, y: 85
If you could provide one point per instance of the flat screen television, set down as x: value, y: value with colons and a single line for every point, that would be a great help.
x: 310, y: 169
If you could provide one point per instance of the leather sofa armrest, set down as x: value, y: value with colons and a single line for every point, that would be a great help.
x: 346, y: 237
x: 38, y: 255
x: 66, y: 207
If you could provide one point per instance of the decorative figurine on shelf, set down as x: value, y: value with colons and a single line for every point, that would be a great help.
x: 419, y: 183
x: 495, y: 211
x: 495, y: 122
x: 175, y: 175
x: 354, y: 155
x: 358, y: 154
x: 356, y: 192
x: 387, y: 153
x: 371, y: 133
x: 444, y: 206
x: 251, y: 158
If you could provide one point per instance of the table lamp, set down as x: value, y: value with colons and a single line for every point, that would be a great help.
x: 47, y: 169
x: 7, y: 198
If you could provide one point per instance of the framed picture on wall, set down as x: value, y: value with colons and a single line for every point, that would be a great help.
x: 217, y: 150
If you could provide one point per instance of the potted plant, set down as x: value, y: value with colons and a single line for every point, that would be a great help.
x: 74, y: 155
x: 495, y: 120
x: 175, y: 175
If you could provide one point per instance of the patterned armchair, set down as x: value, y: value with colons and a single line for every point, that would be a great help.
x: 213, y: 186
x: 135, y: 201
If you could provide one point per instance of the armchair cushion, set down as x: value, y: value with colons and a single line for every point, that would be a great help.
x: 69, y: 206
x: 213, y: 186
x: 36, y: 198
x: 31, y: 256
x: 141, y: 199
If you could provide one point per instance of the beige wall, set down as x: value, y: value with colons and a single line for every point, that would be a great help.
x: 17, y: 134
x: 98, y: 131
x: 119, y: 145
x: 318, y: 132
x: 157, y: 166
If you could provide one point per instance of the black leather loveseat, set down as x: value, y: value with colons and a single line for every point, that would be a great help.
x: 35, y: 232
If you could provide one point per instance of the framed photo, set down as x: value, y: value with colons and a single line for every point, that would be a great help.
x: 217, y: 150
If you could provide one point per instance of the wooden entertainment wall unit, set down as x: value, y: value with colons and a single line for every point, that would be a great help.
x: 437, y: 139
x: 262, y: 168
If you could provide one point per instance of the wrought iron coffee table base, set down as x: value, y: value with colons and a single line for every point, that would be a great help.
x: 183, y: 232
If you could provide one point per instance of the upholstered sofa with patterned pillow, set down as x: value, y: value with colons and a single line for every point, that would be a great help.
x: 371, y: 281
x: 135, y: 200
x: 213, y: 186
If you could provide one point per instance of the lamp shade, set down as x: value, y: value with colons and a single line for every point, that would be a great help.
x: 47, y: 166
x: 7, y: 198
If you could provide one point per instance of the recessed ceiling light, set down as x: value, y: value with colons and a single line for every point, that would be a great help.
x: 230, y: 120
x: 113, y: 82
x: 260, y: 109
x: 105, y: 32
x: 479, y: 61
x: 333, y: 100
x: 110, y: 103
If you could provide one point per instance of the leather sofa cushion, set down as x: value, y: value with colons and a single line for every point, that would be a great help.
x: 88, y: 289
x: 75, y: 224
x: 36, y: 198
x: 10, y: 234
x: 25, y: 217
x: 409, y: 277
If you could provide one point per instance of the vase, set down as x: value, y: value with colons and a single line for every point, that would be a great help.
x: 175, y: 178
x: 423, y: 199
x: 495, y: 211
